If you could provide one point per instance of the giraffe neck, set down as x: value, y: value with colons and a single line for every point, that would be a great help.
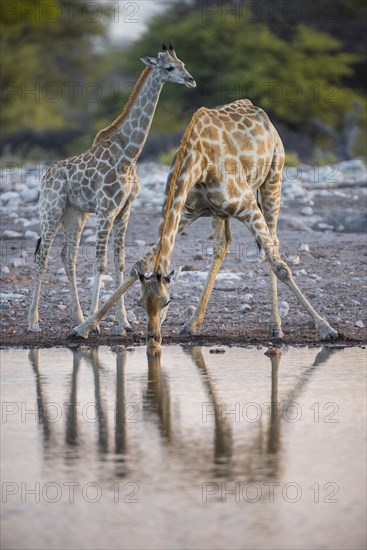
x: 130, y: 129
x: 179, y: 183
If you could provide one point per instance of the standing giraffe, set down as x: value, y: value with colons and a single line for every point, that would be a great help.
x: 226, y: 155
x: 102, y: 180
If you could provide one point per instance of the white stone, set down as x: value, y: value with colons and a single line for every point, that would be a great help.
x: 247, y: 298
x: 16, y: 262
x: 5, y: 269
x: 245, y: 307
x: 31, y: 235
x: 307, y: 211
x: 283, y: 309
x: 132, y: 317
x: 107, y: 278
x: 11, y: 296
x: 30, y: 195
x: 9, y: 196
x: 305, y: 248
x: 359, y: 324
x: 294, y: 260
x: 62, y: 307
x: 325, y: 226
x: 91, y: 239
x: 9, y: 234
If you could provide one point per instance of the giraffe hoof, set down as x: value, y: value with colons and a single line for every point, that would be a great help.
x: 34, y: 327
x: 276, y: 333
x: 327, y: 333
x: 330, y: 335
x: 75, y: 333
x: 187, y: 330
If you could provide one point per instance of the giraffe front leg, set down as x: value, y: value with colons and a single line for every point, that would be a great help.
x: 222, y: 242
x: 104, y: 225
x: 120, y: 226
x: 73, y: 222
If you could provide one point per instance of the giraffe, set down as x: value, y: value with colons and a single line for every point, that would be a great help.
x: 226, y: 155
x: 102, y: 180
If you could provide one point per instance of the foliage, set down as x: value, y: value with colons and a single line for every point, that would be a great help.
x: 48, y: 62
x: 232, y: 59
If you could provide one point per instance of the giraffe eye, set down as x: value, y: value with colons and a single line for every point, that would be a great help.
x: 169, y: 69
x: 166, y: 304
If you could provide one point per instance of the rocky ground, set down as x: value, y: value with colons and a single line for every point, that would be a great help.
x: 322, y: 230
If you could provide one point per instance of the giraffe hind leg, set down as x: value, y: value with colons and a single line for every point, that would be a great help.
x: 41, y: 255
x: 255, y: 221
x: 73, y: 223
x: 270, y: 204
x: 119, y: 230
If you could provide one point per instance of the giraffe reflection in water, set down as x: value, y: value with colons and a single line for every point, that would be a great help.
x: 256, y: 456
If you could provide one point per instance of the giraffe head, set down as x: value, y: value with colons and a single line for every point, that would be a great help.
x: 155, y: 299
x: 170, y: 68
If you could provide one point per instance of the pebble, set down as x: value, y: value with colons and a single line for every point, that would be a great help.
x: 9, y: 196
x: 111, y: 319
x: 5, y: 269
x: 245, y: 307
x: 31, y: 235
x: 283, y: 309
x: 91, y: 239
x: 247, y: 298
x: 322, y: 226
x: 307, y: 211
x: 359, y: 323
x: 11, y: 296
x: 62, y: 307
x: 10, y: 234
x: 190, y: 312
x: 107, y: 278
x: 294, y: 260
x: 132, y: 316
x: 17, y: 262
x: 304, y: 248
x: 30, y: 195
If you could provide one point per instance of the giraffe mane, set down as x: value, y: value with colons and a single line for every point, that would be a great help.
x: 178, y: 163
x: 110, y: 130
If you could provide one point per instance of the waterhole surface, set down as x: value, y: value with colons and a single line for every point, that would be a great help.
x: 106, y: 449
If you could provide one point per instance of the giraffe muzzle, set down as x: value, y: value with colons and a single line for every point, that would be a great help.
x: 190, y: 82
x: 153, y: 339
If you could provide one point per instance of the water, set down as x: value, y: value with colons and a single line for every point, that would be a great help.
x: 189, y: 449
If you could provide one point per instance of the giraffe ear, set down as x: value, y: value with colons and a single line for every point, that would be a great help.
x: 150, y: 61
x: 173, y: 276
x: 139, y: 274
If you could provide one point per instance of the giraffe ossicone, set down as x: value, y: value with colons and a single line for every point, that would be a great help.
x: 226, y: 156
x: 102, y: 180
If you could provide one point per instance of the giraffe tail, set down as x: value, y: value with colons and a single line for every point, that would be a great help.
x: 37, y: 247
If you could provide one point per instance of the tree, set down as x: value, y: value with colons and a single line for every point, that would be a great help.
x: 48, y: 60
